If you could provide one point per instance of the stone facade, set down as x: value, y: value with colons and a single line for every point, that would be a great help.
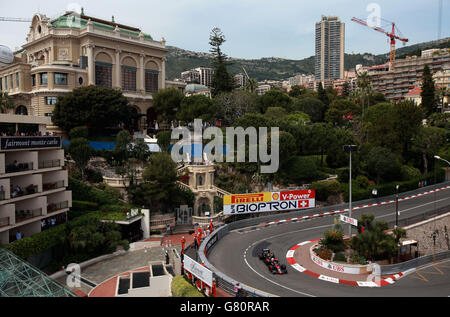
x: 74, y: 51
x: 423, y: 233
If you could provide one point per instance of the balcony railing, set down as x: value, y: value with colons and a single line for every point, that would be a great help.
x: 53, y: 207
x: 49, y: 164
x: 4, y: 222
x: 18, y: 167
x: 52, y: 185
x: 22, y: 215
x: 17, y: 191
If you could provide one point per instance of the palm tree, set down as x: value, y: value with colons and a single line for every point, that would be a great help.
x: 363, y: 82
x: 441, y: 93
x: 251, y: 85
x: 6, y: 102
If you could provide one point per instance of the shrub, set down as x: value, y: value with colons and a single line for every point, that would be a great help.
x: 81, y: 191
x: 362, y: 181
x: 79, y: 132
x: 93, y: 176
x: 324, y: 254
x: 340, y: 257
x: 333, y: 240
x: 326, y: 189
x: 409, y: 172
x: 182, y: 287
x: 84, y: 205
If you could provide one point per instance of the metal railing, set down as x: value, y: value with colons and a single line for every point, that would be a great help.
x: 53, y: 207
x: 227, y: 283
x: 49, y: 164
x: 52, y: 185
x: 4, y: 222
x: 19, y: 167
x: 22, y: 215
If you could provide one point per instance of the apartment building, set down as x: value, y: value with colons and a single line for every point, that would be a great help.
x: 76, y: 50
x: 330, y: 48
x: 396, y: 84
x: 33, y: 180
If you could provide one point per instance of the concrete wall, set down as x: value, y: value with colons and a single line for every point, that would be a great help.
x: 423, y: 233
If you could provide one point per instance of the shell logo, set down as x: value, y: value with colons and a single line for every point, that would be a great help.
x: 276, y: 196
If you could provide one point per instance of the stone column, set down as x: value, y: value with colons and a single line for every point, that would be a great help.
x: 142, y: 74
x: 163, y: 73
x: 118, y: 70
x: 91, y: 64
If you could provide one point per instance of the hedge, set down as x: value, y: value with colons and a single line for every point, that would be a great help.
x: 182, y: 287
x: 26, y: 247
x: 83, y: 192
x: 390, y: 188
x: 84, y: 205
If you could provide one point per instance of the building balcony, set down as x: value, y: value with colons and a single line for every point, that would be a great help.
x: 23, y: 215
x: 18, y: 167
x: 53, y: 185
x: 49, y: 164
x: 17, y: 191
x: 4, y: 222
x: 54, y: 207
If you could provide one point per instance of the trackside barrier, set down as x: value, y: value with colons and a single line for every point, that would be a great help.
x: 227, y: 283
x: 417, y: 262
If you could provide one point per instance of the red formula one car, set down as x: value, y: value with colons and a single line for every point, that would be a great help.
x: 274, y: 266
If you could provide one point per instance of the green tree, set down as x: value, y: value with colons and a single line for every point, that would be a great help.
x: 275, y: 98
x: 312, y: 106
x: 158, y: 187
x: 321, y: 139
x: 427, y: 142
x: 322, y: 96
x: 379, y: 127
x: 140, y: 150
x: 275, y: 113
x: 6, y: 102
x: 363, y: 82
x: 340, y: 109
x: 123, y: 148
x: 382, y: 164
x: 428, y: 92
x: 79, y: 132
x: 222, y: 80
x: 164, y: 140
x: 345, y: 90
x: 408, y: 120
x: 81, y: 152
x: 196, y: 107
x: 166, y: 103
x: 297, y: 91
x: 232, y: 105
x: 96, y: 107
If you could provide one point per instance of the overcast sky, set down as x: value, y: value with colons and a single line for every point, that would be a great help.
x: 253, y: 28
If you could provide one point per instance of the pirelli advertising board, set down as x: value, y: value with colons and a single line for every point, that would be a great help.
x: 268, y: 202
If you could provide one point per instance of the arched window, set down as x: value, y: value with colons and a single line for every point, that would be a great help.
x: 21, y: 110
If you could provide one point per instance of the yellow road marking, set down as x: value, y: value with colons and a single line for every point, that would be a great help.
x: 437, y: 269
x: 422, y: 278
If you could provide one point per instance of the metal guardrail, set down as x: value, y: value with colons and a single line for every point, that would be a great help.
x: 227, y: 283
x: 417, y: 262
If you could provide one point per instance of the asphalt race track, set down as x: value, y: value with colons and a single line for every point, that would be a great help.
x: 236, y: 256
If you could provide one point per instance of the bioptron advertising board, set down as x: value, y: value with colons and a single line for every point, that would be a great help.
x: 268, y: 202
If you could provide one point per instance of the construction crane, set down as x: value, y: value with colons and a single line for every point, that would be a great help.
x: 6, y: 19
x: 392, y: 35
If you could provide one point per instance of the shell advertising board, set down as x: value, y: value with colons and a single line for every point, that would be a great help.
x: 268, y: 202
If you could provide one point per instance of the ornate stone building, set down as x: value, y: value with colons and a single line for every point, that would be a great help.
x: 75, y: 50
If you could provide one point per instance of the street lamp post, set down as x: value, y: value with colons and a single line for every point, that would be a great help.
x: 396, y: 207
x: 350, y: 149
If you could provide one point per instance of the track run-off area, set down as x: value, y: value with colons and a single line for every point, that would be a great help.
x: 236, y: 254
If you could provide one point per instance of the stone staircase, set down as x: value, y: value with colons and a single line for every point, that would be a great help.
x: 179, y: 229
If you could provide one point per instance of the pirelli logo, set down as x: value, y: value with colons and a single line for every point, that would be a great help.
x: 247, y: 198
